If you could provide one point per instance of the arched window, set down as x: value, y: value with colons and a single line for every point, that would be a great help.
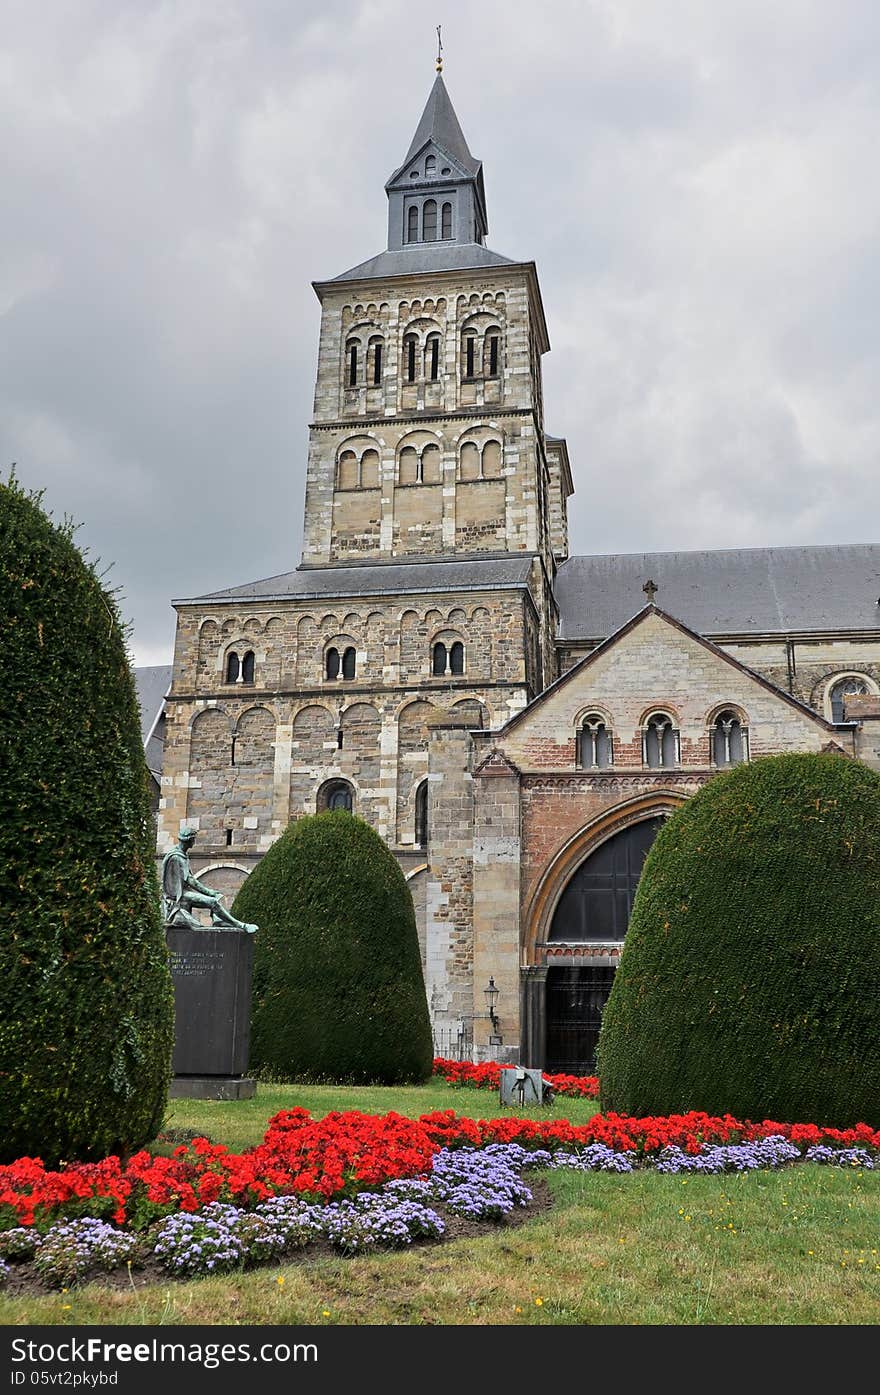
x: 370, y: 469
x: 430, y: 164
x: 468, y: 355
x: 412, y: 224
x: 375, y: 354
x: 491, y: 460
x: 408, y: 466
x: 347, y: 473
x: 331, y: 663
x: 469, y: 461
x: 233, y: 667
x: 247, y: 667
x: 730, y: 742
x: 349, y: 662
x: 846, y: 687
x: 595, y: 746
x: 446, y: 220
x: 337, y: 795
x: 429, y: 465
x: 432, y: 357
x: 660, y: 742
x: 429, y: 221
x: 491, y: 353
x: 447, y: 658
x: 422, y: 815
x: 409, y: 357
x: 352, y: 350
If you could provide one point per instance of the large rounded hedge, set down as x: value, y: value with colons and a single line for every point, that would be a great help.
x: 338, y: 986
x: 750, y: 978
x: 86, y: 1005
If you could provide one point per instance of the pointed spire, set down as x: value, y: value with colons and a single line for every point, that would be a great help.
x: 439, y: 123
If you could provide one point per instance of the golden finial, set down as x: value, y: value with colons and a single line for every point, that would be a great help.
x: 439, y: 64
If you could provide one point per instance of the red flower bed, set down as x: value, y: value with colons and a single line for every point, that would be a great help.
x: 487, y: 1076
x: 342, y: 1153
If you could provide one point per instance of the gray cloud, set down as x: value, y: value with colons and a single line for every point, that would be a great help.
x: 694, y: 181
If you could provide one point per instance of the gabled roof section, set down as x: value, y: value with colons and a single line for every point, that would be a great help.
x: 777, y: 590
x: 440, y: 124
x: 715, y: 649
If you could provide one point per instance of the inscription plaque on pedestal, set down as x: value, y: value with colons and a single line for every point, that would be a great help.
x: 211, y: 971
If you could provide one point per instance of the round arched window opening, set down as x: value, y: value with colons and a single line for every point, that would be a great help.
x: 336, y: 796
x: 851, y: 686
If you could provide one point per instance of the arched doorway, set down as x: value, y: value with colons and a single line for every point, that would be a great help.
x: 593, y: 909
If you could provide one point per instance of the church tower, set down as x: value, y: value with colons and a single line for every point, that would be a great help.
x: 423, y: 608
x: 428, y: 434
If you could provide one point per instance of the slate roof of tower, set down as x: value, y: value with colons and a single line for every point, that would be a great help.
x: 308, y: 583
x: 420, y: 257
x: 440, y: 124
x: 741, y: 590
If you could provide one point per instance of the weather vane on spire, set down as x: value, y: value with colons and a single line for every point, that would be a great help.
x: 439, y: 64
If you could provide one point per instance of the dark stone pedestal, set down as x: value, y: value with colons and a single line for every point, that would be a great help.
x: 211, y: 971
x: 212, y: 1087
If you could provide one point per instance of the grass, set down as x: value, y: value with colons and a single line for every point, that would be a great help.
x: 800, y: 1246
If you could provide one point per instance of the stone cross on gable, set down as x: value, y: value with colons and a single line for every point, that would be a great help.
x: 650, y: 591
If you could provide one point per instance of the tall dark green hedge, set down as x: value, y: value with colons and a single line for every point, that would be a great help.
x: 750, y: 977
x: 86, y: 1007
x: 338, y: 986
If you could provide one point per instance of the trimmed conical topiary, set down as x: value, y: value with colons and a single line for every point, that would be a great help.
x: 338, y: 988
x: 750, y: 978
x: 86, y: 1006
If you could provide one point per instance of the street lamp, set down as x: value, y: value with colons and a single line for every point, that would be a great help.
x: 491, y: 993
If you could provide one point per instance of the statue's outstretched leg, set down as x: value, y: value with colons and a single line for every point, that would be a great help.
x: 220, y: 916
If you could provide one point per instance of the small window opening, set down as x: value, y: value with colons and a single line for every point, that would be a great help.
x: 412, y: 221
x: 470, y: 344
x: 411, y: 359
x: 229, y: 837
x: 248, y: 665
x: 438, y: 666
x: 232, y: 757
x: 233, y: 668
x: 446, y: 221
x: 352, y: 365
x: 339, y: 795
x: 729, y: 741
x: 421, y: 829
x: 429, y: 221
x: 349, y: 663
x: 340, y: 737
x: 493, y: 356
x: 456, y: 657
x: 595, y: 749
x: 434, y: 358
x: 377, y: 364
x: 332, y: 663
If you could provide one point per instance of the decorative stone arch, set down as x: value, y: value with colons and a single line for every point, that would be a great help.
x: 601, y: 711
x: 212, y: 708
x: 343, y: 644
x: 830, y: 682
x: 419, y: 458
x: 545, y: 898
x: 656, y: 709
x: 453, y: 651
x: 715, y: 712
x: 358, y: 462
x: 325, y: 792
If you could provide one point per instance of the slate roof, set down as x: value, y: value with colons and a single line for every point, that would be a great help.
x: 741, y: 590
x: 420, y: 257
x: 151, y: 685
x: 381, y: 579
x: 440, y: 124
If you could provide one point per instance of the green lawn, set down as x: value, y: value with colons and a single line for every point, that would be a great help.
x: 799, y: 1246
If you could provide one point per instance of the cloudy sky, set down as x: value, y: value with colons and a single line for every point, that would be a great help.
x: 696, y: 181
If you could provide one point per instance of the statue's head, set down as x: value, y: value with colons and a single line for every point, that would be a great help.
x: 187, y: 837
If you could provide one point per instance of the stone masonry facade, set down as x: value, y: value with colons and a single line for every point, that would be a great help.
x: 417, y: 667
